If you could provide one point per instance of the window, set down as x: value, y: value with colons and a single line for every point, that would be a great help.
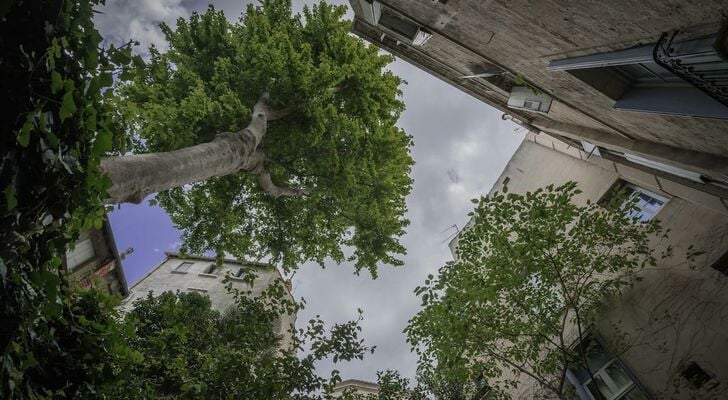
x: 695, y: 375
x: 82, y: 252
x: 210, y: 269
x: 239, y: 273
x: 183, y: 267
x: 609, y: 379
x: 646, y: 203
x: 668, y: 77
x: 722, y: 264
x: 412, y: 32
x: 374, y: 14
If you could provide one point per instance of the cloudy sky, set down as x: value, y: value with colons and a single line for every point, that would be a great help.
x: 461, y: 147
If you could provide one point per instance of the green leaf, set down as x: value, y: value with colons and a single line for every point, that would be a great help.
x: 56, y: 82
x: 68, y: 106
x: 11, y: 200
x: 103, y: 142
x: 24, y: 135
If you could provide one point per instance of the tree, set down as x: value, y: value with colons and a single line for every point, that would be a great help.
x: 272, y: 136
x: 191, y: 351
x: 427, y: 385
x: 530, y: 275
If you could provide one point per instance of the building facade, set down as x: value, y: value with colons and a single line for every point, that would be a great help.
x: 355, y: 387
x: 94, y: 262
x: 649, y: 78
x: 677, y: 315
x: 202, y: 275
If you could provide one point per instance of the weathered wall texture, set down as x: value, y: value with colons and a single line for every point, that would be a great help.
x: 164, y: 277
x: 523, y: 36
x: 103, y: 271
x: 674, y: 315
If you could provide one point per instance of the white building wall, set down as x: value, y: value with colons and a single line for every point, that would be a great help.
x: 165, y: 277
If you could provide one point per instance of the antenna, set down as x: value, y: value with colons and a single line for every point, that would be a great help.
x: 457, y: 231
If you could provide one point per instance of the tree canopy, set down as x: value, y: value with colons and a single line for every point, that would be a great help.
x: 337, y: 142
x: 186, y: 350
x: 530, y: 275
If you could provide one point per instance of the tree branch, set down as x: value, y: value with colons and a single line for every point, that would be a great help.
x: 266, y: 181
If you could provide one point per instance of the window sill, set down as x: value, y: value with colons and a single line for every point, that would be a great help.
x: 207, y: 275
x: 197, y: 289
x: 235, y: 278
x: 174, y: 271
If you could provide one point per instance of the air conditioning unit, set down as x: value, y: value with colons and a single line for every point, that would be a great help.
x: 523, y: 98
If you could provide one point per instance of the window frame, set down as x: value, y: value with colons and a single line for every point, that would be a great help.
x: 621, y: 184
x: 602, y: 374
x: 210, y: 270
x: 179, y: 268
x: 74, y: 254
x: 612, y: 359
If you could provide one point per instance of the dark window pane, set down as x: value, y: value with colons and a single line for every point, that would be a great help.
x: 404, y: 28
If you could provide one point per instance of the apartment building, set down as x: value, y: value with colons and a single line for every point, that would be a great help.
x: 203, y: 275
x: 648, y: 78
x: 677, y: 315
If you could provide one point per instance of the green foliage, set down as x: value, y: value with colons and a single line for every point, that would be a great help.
x: 392, y: 386
x: 531, y: 273
x: 56, y: 125
x: 342, y: 144
x: 189, y: 351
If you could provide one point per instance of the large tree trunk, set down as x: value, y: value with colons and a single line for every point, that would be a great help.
x: 134, y: 177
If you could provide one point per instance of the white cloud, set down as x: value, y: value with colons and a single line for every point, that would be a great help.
x: 122, y: 20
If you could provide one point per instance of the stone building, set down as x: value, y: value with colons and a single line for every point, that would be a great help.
x: 687, y: 348
x: 202, y: 275
x: 355, y: 387
x: 649, y: 78
x: 94, y: 262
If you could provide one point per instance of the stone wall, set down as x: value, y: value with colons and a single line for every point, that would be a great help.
x: 523, y: 36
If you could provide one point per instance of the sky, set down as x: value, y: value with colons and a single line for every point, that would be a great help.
x: 461, y: 147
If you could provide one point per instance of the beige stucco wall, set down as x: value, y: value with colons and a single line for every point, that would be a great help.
x: 164, y: 277
x: 674, y: 315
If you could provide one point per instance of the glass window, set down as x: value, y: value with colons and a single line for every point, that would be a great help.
x: 82, y: 252
x: 609, y: 379
x: 183, y: 267
x: 647, y: 203
x: 239, y: 273
x: 404, y: 28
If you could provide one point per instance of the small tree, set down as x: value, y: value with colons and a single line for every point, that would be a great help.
x: 191, y: 351
x: 530, y: 275
x: 281, y: 126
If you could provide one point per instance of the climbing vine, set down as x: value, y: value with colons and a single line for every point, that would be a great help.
x: 57, y: 122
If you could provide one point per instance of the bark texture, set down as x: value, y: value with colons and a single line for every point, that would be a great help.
x: 134, y: 177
